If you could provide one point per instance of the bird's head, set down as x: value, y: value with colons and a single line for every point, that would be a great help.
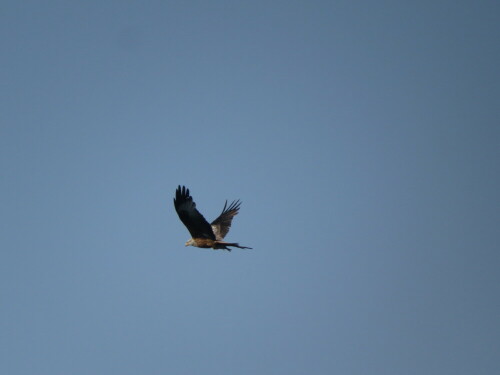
x: 190, y: 242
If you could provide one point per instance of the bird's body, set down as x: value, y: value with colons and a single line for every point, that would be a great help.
x: 205, y: 235
x: 207, y: 243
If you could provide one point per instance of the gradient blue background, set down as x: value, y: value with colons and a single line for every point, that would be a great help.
x: 362, y: 137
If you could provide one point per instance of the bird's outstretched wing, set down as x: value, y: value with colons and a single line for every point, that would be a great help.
x: 190, y: 216
x: 221, y: 225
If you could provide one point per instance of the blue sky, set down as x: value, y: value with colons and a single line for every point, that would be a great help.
x: 361, y: 137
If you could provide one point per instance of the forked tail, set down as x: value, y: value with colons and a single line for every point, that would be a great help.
x: 223, y: 245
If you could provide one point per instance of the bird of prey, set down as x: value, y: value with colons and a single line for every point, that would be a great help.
x: 205, y: 235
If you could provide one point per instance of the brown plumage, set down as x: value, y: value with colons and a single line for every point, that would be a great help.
x: 203, y: 234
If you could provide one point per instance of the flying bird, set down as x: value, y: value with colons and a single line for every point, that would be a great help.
x: 205, y: 235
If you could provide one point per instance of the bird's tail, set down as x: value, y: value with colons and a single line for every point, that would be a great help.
x: 223, y: 245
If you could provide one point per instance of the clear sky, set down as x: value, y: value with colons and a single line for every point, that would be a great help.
x: 362, y: 138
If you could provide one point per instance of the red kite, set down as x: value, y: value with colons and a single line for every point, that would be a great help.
x: 203, y: 234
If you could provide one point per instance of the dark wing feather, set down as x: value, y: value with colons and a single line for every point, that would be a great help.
x: 189, y: 215
x: 221, y: 225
